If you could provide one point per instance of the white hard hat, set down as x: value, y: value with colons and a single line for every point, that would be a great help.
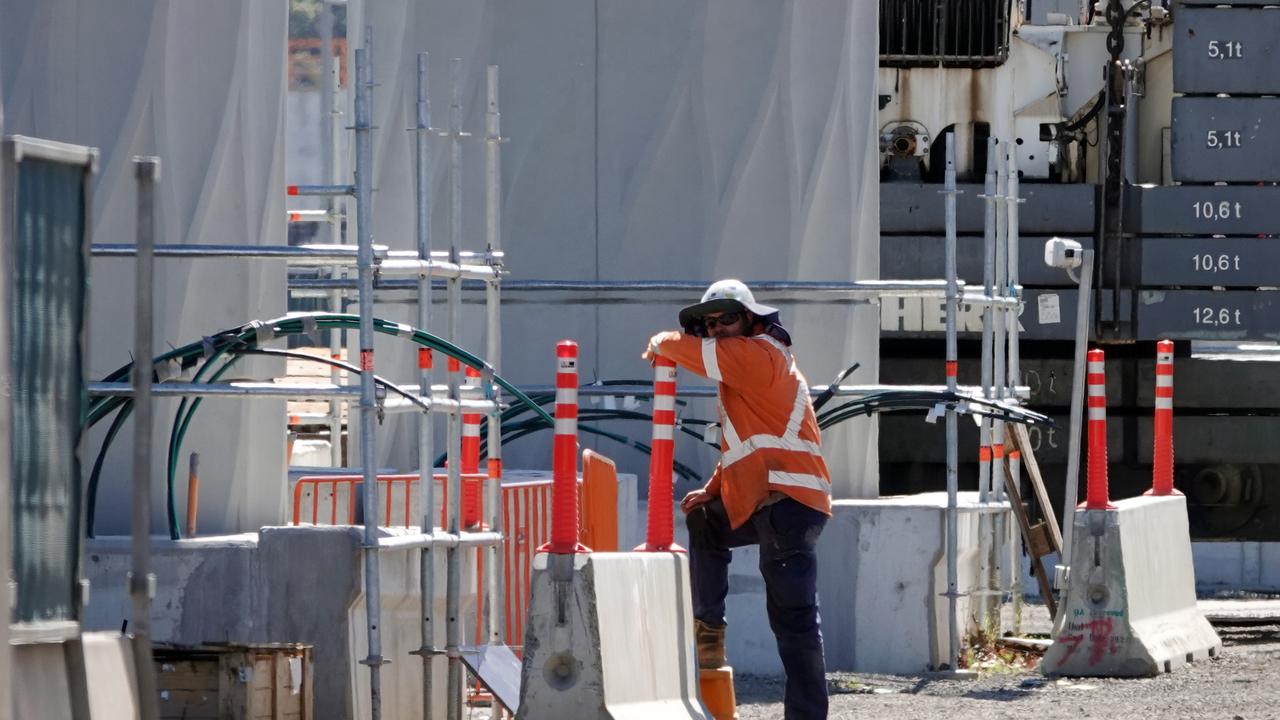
x: 725, y: 296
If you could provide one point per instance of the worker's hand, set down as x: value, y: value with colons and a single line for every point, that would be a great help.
x: 651, y: 351
x: 695, y: 499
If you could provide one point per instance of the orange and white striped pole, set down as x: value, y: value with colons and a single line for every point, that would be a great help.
x: 660, y: 535
x: 1162, y: 458
x: 1096, y: 402
x: 471, y: 454
x: 564, y: 462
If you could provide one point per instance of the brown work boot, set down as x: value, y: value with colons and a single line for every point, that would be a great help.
x: 710, y: 641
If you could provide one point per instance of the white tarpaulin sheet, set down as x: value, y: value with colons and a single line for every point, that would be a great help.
x: 202, y: 86
x: 664, y: 140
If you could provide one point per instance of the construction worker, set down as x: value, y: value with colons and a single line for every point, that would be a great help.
x: 771, y: 487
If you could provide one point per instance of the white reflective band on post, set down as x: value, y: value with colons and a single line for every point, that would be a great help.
x: 567, y: 365
x: 471, y: 430
x: 1164, y: 381
x: 1164, y: 403
x: 664, y: 402
x: 566, y: 396
x: 1098, y: 390
x: 709, y: 361
x: 566, y: 426
x: 1164, y: 358
x: 771, y: 442
x: 664, y: 374
x: 1097, y: 413
x: 1097, y: 367
x: 663, y: 432
x: 811, y: 482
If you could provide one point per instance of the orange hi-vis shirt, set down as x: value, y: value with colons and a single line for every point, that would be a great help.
x: 770, y: 440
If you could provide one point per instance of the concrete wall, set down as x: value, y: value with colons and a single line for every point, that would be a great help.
x: 202, y: 85
x: 648, y: 141
x: 283, y: 585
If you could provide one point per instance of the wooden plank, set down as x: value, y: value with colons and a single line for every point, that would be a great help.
x: 1017, y: 435
x: 1024, y: 524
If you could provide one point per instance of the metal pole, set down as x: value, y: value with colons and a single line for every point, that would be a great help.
x: 493, y: 306
x: 1001, y: 314
x: 326, y: 117
x: 368, y: 406
x: 147, y: 172
x: 1013, y: 540
x: 952, y: 427
x: 426, y: 472
x: 988, y: 320
x: 1077, y: 411
x: 335, y: 376
x: 453, y: 630
x: 1011, y: 289
x: 985, y: 478
x: 336, y: 227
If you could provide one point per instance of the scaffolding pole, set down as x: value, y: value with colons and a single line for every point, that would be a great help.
x: 952, y: 310
x: 426, y: 489
x: 368, y: 402
x: 496, y: 575
x: 453, y: 583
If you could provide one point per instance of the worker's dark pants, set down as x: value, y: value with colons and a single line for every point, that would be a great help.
x: 786, y: 532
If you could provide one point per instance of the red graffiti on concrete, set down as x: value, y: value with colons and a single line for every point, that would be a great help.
x: 1102, y: 640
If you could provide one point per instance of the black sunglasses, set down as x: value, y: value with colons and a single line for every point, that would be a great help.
x: 724, y: 319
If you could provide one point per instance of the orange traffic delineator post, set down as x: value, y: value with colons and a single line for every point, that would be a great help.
x: 564, y: 457
x: 1096, y: 402
x: 471, y: 454
x: 660, y: 534
x: 717, y: 693
x: 1162, y: 457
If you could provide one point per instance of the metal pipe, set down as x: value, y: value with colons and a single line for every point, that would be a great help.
x: 323, y: 190
x: 988, y: 281
x: 368, y: 401
x: 496, y: 575
x: 337, y: 234
x: 861, y: 289
x: 453, y: 591
x: 952, y: 310
x: 335, y: 377
x: 1077, y: 410
x: 426, y: 454
x: 147, y: 172
x: 1002, y: 314
x: 440, y: 539
x: 316, y: 253
x: 707, y: 391
x: 292, y: 391
x: 327, y: 85
x: 1011, y: 279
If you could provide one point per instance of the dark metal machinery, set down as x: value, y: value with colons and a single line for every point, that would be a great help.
x: 1194, y: 261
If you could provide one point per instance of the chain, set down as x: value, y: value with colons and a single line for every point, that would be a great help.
x: 1115, y: 15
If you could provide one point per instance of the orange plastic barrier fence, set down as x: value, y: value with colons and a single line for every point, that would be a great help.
x: 525, y: 517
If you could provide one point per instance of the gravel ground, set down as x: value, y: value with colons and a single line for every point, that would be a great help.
x: 1244, y: 682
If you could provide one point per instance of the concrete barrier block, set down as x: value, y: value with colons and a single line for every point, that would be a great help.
x: 1130, y: 605
x: 105, y: 662
x: 881, y: 574
x: 610, y: 636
